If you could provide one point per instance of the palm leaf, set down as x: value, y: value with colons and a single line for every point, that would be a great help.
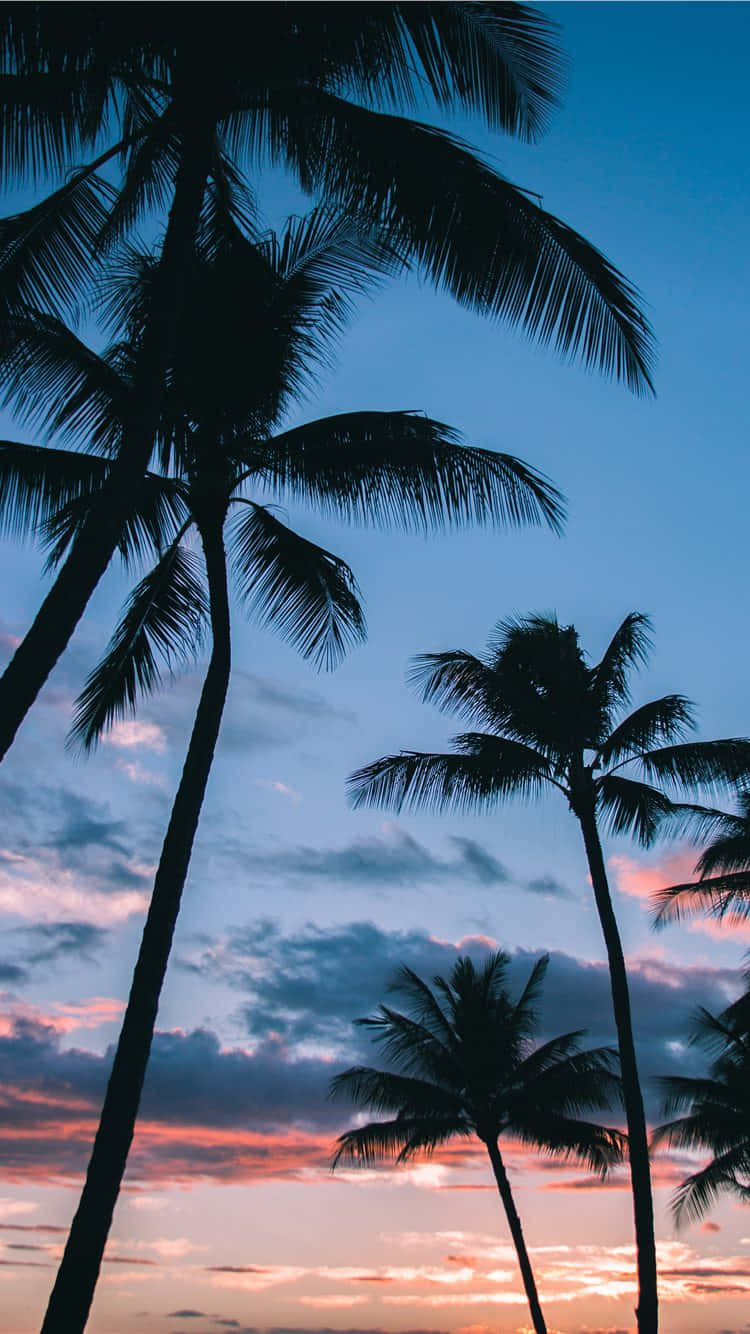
x: 456, y: 681
x: 399, y: 1140
x: 633, y: 808
x: 47, y: 253
x: 164, y: 621
x: 713, y: 766
x: 158, y: 510
x: 36, y: 481
x: 384, y: 1091
x: 400, y: 467
x: 55, y: 381
x: 718, y: 896
x: 628, y: 649
x: 477, y: 235
x: 494, y: 768
x: 306, y: 594
x: 662, y: 720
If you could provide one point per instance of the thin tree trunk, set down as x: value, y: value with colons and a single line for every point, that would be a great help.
x: 94, y: 546
x: 73, y: 1292
x: 516, y: 1231
x: 647, y: 1311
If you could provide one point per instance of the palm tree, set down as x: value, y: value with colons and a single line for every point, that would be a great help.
x: 314, y: 89
x: 553, y: 722
x: 722, y: 886
x: 468, y: 1065
x: 717, y: 1112
x: 219, y: 439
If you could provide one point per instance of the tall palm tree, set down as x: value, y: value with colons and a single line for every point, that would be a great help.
x: 468, y: 1064
x: 553, y: 722
x: 717, y: 1109
x: 218, y: 441
x: 722, y: 884
x: 315, y: 88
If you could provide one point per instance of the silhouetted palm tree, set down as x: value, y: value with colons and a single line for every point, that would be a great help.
x: 468, y: 1065
x: 218, y: 440
x: 315, y: 88
x: 552, y: 722
x: 718, y: 1112
x: 722, y: 886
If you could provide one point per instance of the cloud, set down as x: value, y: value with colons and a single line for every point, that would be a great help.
x: 136, y: 734
x: 388, y: 860
x: 48, y: 942
x: 549, y: 886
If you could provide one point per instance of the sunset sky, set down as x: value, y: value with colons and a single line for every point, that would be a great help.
x: 297, y: 910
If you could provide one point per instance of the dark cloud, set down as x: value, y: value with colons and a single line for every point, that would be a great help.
x: 187, y: 1315
x: 48, y: 942
x: 303, y: 992
x: 381, y: 861
x: 548, y: 886
x: 13, y: 973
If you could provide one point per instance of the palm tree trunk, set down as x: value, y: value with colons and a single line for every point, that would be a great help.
x: 516, y: 1231
x: 647, y: 1311
x: 94, y: 546
x: 73, y: 1292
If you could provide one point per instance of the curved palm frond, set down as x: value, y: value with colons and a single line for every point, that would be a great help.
x: 158, y: 512
x: 480, y: 237
x: 633, y: 808
x: 164, y: 619
x: 720, y: 896
x: 384, y: 1091
x: 399, y: 1140
x: 500, y: 62
x: 628, y: 649
x: 309, y: 596
x: 597, y: 1147
x: 461, y: 782
x: 48, y: 252
x: 36, y: 480
x: 456, y: 681
x: 385, y: 467
x: 659, y: 721
x: 55, y: 381
x: 716, y: 767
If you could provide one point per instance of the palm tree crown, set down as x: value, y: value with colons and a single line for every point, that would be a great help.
x: 468, y: 1063
x: 553, y: 721
x: 717, y: 1110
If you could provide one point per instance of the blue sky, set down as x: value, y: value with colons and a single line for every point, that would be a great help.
x: 295, y: 902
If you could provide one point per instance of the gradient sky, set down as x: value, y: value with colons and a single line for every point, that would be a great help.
x: 297, y: 909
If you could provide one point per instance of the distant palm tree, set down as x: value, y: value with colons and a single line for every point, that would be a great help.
x: 718, y: 1112
x: 552, y: 722
x: 286, y: 299
x: 185, y: 104
x: 722, y: 886
x: 468, y: 1065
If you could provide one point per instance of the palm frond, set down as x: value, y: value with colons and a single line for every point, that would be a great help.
x: 476, y: 234
x: 158, y: 510
x: 56, y: 382
x: 35, y: 481
x: 384, y: 1091
x: 695, y: 1195
x: 398, y: 1140
x: 662, y: 720
x: 164, y: 621
x: 632, y: 808
x: 424, y: 1005
x: 525, y: 1013
x: 628, y: 649
x: 149, y: 178
x: 48, y: 252
x: 456, y: 681
x: 722, y: 896
x: 714, y: 767
x: 491, y: 769
x: 305, y: 593
x: 599, y: 1147
x: 400, y: 467
x: 500, y: 62
x: 412, y: 1045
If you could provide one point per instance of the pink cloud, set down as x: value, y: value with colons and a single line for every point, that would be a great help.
x: 35, y: 892
x: 640, y: 881
x: 132, y: 733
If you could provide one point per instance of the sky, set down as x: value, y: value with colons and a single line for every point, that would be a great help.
x: 298, y: 909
